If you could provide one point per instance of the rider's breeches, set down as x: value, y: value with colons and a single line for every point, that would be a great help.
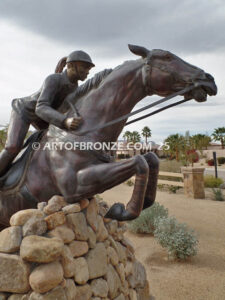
x: 17, y: 131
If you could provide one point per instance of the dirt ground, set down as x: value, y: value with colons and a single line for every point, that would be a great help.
x: 202, y: 277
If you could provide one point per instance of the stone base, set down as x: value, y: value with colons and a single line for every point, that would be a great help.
x: 69, y: 252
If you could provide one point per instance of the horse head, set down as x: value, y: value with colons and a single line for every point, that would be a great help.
x: 165, y: 73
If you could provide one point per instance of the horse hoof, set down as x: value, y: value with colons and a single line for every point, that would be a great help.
x: 119, y: 213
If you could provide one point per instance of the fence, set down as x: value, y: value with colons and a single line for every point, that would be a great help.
x: 170, y: 182
x: 192, y: 181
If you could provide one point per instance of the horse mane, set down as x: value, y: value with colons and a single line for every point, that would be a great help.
x: 90, y: 84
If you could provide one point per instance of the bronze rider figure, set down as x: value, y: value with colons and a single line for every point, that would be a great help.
x: 40, y: 109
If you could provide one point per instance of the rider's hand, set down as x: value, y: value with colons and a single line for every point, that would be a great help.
x: 72, y: 123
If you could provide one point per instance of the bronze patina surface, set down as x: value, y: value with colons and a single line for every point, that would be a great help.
x: 78, y: 174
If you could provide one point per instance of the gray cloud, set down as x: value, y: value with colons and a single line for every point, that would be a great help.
x: 185, y: 27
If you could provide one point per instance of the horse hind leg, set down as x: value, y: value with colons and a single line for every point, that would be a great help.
x: 97, y: 179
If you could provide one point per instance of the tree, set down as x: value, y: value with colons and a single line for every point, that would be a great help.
x: 146, y: 133
x: 127, y: 135
x: 135, y: 137
x: 219, y: 135
x: 200, y: 141
x: 3, y: 136
x: 176, y: 145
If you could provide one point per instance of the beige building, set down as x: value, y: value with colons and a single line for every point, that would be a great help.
x: 214, y: 147
x: 128, y: 149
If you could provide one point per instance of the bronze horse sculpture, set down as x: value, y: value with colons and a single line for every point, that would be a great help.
x: 78, y: 174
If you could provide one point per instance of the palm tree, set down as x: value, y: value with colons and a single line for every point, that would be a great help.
x: 176, y: 144
x: 219, y: 135
x: 146, y: 133
x: 127, y: 135
x: 200, y: 141
x: 135, y: 137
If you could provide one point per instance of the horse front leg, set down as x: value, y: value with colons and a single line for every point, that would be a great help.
x: 153, y: 163
x: 97, y: 179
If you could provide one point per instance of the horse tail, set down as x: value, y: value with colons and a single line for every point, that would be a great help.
x: 60, y: 65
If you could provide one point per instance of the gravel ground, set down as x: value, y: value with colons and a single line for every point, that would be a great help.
x: 202, y: 277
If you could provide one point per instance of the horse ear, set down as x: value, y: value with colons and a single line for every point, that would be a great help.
x: 138, y: 50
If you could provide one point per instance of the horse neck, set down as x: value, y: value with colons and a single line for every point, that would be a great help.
x: 127, y: 83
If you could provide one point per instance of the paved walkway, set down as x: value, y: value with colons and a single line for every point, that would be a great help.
x: 210, y: 171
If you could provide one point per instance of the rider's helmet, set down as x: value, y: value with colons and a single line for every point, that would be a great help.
x: 79, y: 56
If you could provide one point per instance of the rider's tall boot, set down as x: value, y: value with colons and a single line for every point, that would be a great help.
x: 5, y: 160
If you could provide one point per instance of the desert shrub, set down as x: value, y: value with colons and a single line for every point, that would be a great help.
x: 129, y: 182
x: 99, y: 198
x: 173, y: 189
x: 179, y: 240
x: 218, y: 195
x: 210, y: 162
x: 212, y: 182
x: 221, y: 160
x: 145, y: 223
x: 160, y: 186
x: 192, y: 156
x: 121, y: 156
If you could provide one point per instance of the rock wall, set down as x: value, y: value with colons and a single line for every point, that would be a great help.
x: 68, y: 252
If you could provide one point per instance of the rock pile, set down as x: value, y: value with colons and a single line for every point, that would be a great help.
x: 68, y: 252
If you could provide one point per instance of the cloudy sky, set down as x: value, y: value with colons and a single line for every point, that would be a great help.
x: 34, y: 35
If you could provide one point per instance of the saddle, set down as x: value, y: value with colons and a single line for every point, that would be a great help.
x: 17, y: 169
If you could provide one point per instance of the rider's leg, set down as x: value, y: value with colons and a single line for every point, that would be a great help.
x: 15, y: 136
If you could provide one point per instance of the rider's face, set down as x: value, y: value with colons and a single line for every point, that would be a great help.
x: 83, y: 69
x: 78, y: 70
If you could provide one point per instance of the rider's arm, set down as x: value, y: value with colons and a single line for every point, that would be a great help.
x: 44, y: 108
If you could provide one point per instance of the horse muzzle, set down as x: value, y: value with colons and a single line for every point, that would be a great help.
x: 202, y: 90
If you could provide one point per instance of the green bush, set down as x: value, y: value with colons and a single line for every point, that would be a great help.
x: 160, y: 186
x: 178, y: 239
x: 218, y: 195
x: 145, y: 223
x: 212, y: 182
x: 99, y: 198
x: 173, y: 189
x: 129, y: 182
x: 221, y: 160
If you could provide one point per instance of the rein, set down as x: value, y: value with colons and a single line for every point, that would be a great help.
x: 185, y: 90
